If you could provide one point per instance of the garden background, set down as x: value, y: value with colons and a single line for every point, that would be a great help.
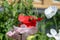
x: 10, y: 9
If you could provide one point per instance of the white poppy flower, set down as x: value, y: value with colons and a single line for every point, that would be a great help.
x: 50, y: 11
x: 54, y: 34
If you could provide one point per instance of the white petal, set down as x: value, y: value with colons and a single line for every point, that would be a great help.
x: 54, y: 8
x: 59, y: 32
x: 15, y: 28
x: 53, y: 32
x: 23, y: 26
x: 49, y: 35
x: 24, y: 31
x: 50, y: 11
x: 10, y: 33
x: 57, y: 37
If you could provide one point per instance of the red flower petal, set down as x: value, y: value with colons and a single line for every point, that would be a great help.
x: 23, y: 19
x: 30, y: 21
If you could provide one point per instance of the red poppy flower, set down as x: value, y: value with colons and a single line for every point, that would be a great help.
x: 30, y: 21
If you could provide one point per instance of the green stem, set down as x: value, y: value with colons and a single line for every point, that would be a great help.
x: 36, y: 12
x: 43, y: 25
x: 55, y: 22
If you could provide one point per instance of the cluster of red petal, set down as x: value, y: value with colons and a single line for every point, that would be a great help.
x: 28, y: 20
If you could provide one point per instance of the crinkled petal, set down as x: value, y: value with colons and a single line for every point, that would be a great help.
x: 23, y: 26
x: 57, y: 37
x: 15, y: 28
x: 22, y: 30
x: 10, y: 33
x: 27, y: 30
x: 53, y: 32
x: 49, y: 35
x: 24, y: 19
x: 32, y: 30
x: 50, y: 11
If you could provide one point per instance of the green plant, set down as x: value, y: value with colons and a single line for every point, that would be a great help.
x: 9, y: 17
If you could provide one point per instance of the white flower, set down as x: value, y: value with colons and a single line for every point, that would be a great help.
x: 50, y: 11
x: 54, y: 34
x: 23, y: 29
x: 10, y: 33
